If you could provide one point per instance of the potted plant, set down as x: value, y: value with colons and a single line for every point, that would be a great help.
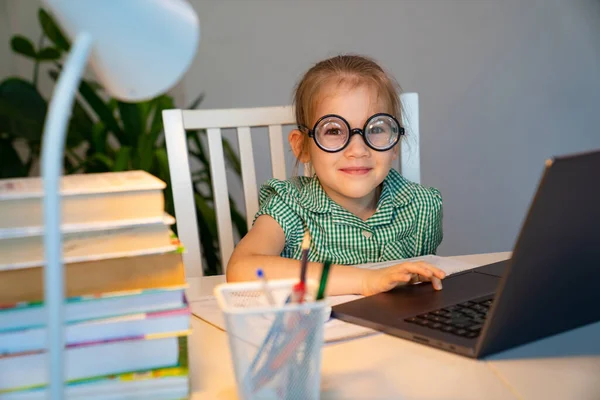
x: 104, y: 134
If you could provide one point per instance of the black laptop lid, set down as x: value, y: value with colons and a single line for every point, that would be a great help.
x: 553, y: 278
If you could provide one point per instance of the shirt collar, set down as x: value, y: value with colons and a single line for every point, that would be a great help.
x: 314, y: 198
x: 396, y: 189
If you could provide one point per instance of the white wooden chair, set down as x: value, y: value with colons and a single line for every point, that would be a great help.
x: 176, y: 122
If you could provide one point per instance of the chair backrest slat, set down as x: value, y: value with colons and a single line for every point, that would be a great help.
x: 183, y: 193
x: 277, y: 155
x: 248, y: 174
x: 410, y: 159
x: 220, y: 192
x: 232, y: 118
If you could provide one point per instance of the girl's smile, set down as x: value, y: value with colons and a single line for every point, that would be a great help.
x: 356, y: 170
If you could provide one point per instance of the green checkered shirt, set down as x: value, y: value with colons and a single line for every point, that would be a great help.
x: 407, y: 222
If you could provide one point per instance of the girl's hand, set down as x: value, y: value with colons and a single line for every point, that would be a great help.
x: 381, y: 280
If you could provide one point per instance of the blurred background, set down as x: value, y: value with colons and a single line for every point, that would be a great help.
x: 503, y: 85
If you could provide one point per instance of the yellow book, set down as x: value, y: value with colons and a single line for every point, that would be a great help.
x: 148, y: 271
x: 86, y: 198
x: 24, y: 248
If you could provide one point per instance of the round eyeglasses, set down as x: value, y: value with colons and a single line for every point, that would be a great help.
x: 332, y: 133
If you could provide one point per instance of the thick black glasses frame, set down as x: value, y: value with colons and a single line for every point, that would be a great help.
x: 361, y: 132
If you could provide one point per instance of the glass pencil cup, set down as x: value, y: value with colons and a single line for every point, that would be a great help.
x: 275, y: 344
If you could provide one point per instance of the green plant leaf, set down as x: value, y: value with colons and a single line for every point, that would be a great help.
x: 122, y: 158
x: 131, y: 117
x: 103, y: 112
x: 200, y: 154
x: 48, y: 54
x: 11, y: 165
x: 200, y: 176
x: 162, y: 165
x: 146, y: 142
x: 208, y: 237
x: 99, y: 137
x: 208, y: 213
x: 35, y: 147
x: 196, y: 102
x: 112, y: 104
x: 98, y: 162
x: 4, y: 126
x: 21, y: 45
x: 24, y: 108
x: 160, y: 103
x: 72, y: 154
x: 144, y: 154
x: 69, y: 166
x: 146, y: 108
x: 231, y: 158
x: 238, y: 220
x: 80, y: 126
x: 52, y: 30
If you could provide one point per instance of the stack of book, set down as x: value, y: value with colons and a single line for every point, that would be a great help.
x: 126, y: 316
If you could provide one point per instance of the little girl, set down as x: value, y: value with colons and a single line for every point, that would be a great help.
x: 356, y: 208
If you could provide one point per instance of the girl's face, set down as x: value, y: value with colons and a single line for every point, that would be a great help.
x: 354, y: 173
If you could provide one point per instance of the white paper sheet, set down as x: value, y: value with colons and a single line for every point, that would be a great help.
x: 207, y: 308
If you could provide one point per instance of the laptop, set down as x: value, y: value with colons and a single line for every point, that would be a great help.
x: 549, y: 285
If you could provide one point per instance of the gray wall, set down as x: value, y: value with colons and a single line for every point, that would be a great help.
x: 503, y: 85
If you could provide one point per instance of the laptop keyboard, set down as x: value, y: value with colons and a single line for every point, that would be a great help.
x: 463, y: 319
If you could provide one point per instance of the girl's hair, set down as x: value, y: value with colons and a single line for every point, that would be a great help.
x: 347, y: 70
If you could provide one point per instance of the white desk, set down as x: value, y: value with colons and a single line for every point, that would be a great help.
x: 386, y: 367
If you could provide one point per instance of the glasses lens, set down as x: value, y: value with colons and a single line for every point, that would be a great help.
x: 331, y: 133
x: 382, y: 131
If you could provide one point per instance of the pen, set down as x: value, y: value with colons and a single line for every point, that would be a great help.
x: 320, y: 296
x: 323, y: 283
x: 263, y: 279
x: 305, y: 249
x: 272, y: 337
x: 299, y: 289
x: 286, y: 350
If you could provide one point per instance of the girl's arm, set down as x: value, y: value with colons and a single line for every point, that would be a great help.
x: 260, y: 248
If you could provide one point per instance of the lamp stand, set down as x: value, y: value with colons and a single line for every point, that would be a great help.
x: 53, y: 149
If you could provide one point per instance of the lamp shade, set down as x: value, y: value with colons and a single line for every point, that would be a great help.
x: 141, y: 48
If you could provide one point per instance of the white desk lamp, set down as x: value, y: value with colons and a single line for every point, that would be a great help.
x: 138, y: 49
